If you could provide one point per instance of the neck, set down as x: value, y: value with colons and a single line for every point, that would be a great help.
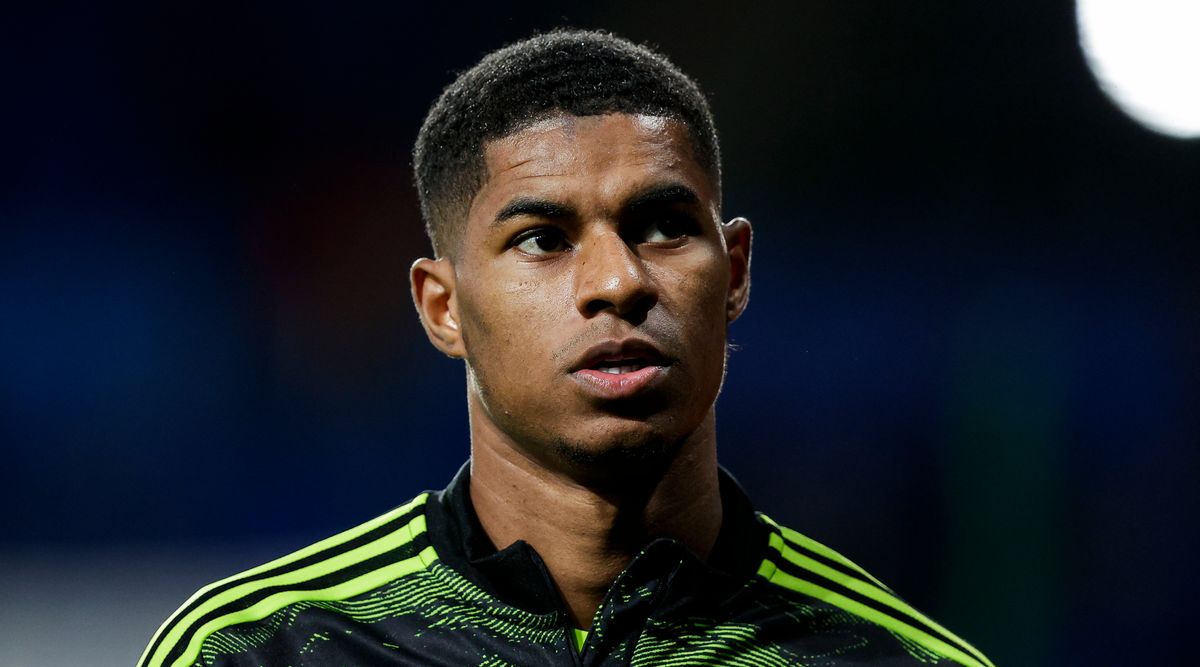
x: 588, y: 533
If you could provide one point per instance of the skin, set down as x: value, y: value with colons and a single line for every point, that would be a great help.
x: 590, y: 230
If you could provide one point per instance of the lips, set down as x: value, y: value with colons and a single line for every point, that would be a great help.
x: 621, y: 354
x: 621, y: 369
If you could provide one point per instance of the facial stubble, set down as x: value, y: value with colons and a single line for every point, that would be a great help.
x: 614, y: 461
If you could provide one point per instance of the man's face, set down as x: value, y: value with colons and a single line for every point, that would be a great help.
x: 593, y: 289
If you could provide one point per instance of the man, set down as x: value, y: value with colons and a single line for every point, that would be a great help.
x: 570, y: 185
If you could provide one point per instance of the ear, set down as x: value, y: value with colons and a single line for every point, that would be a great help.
x: 433, y: 294
x: 737, y: 241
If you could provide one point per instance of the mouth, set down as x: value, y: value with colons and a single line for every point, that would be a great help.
x: 621, y: 369
x: 620, y: 366
x: 621, y: 356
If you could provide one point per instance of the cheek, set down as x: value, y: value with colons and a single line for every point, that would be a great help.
x: 696, y: 301
x: 506, y: 321
x: 700, y: 295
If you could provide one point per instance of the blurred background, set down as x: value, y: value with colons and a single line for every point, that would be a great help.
x: 970, y: 362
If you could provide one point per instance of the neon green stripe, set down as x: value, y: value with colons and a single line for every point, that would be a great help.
x: 865, y: 589
x: 274, y: 603
x: 344, y: 536
x: 388, y: 542
x: 930, y: 642
x: 809, y: 543
x: 766, y: 569
x: 580, y: 637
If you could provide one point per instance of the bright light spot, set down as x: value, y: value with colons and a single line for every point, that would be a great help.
x: 1146, y: 56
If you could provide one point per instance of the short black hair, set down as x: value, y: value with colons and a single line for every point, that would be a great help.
x: 576, y: 72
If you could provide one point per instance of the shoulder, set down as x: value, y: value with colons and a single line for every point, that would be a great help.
x: 373, y: 554
x: 801, y: 565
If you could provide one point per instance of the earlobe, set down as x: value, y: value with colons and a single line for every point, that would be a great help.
x: 738, y: 237
x: 433, y: 285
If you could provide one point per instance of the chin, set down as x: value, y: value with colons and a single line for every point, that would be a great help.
x: 619, y: 458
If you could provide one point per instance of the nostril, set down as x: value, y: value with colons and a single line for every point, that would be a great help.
x: 634, y: 308
x: 597, y: 305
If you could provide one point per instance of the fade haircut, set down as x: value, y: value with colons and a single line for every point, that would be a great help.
x: 575, y: 72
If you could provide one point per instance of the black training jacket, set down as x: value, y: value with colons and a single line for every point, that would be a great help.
x: 423, y: 585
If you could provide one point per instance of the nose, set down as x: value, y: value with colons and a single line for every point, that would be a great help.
x: 611, y: 277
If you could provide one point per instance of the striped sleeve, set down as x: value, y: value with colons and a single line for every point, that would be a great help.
x: 347, y: 564
x: 803, y: 565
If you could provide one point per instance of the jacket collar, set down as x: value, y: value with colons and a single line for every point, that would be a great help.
x: 517, y: 575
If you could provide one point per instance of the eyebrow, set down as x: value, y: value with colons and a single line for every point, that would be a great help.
x: 665, y: 194
x: 662, y: 195
x: 540, y: 208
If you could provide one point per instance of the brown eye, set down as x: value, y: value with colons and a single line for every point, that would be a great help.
x: 667, y: 229
x: 540, y: 242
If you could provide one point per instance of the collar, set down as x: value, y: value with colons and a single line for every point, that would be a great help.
x: 517, y: 575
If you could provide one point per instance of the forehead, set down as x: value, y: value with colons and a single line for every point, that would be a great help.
x: 596, y: 159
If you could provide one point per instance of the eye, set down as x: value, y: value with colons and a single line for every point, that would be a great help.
x: 541, y: 241
x: 667, y: 229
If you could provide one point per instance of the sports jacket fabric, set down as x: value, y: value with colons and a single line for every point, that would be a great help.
x: 423, y: 585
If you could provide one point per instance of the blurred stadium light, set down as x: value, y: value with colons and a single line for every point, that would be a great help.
x: 1147, y: 59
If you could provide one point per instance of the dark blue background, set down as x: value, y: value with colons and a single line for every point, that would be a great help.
x: 970, y: 360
